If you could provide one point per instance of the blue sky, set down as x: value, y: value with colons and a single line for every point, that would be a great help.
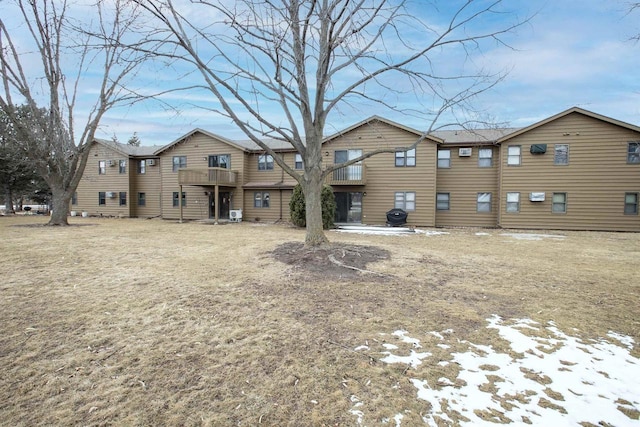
x: 571, y: 53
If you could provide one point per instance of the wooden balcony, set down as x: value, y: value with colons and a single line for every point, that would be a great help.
x: 348, y: 175
x: 208, y: 176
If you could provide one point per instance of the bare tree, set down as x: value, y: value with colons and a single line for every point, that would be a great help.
x: 634, y: 7
x: 48, y: 75
x: 313, y: 57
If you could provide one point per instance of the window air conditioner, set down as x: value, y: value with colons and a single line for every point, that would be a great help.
x: 111, y: 194
x: 465, y: 152
x: 151, y: 162
x: 235, y: 215
x: 536, y: 197
x: 112, y: 162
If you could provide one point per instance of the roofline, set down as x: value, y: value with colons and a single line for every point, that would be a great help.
x: 383, y: 120
x: 204, y: 132
x: 104, y: 143
x: 566, y: 113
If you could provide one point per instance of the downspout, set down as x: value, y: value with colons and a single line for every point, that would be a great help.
x: 180, y: 203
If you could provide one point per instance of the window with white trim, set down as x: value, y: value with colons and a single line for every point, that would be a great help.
x: 122, y: 166
x: 142, y: 167
x: 102, y: 167
x: 298, y: 162
x: 176, y: 199
x: 405, y: 200
x: 513, y: 202
x: 179, y: 162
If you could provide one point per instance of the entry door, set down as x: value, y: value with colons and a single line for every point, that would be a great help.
x: 224, y: 200
x: 348, y: 207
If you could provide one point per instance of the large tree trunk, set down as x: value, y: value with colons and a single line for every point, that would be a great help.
x: 312, y: 190
x: 8, y: 199
x: 60, y: 206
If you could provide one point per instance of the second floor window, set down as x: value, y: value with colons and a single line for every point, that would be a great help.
x: 298, y: 162
x: 513, y: 155
x: 444, y: 158
x: 122, y: 166
x: 265, y: 162
x: 102, y: 167
x: 74, y: 198
x: 142, y: 167
x: 406, y: 158
x: 220, y: 161
x: 561, y: 154
x: 633, y: 152
x: 485, y: 156
x: 179, y: 162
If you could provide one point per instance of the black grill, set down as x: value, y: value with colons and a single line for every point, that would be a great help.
x: 396, y: 217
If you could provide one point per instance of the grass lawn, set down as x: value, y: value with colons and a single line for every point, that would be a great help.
x: 149, y: 322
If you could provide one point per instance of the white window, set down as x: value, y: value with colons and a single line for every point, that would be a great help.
x: 513, y: 202
x: 405, y: 200
x: 559, y: 203
x: 142, y: 167
x: 485, y: 157
x: 561, y: 154
x: 298, y: 162
x: 442, y: 201
x: 444, y: 158
x: 484, y: 202
x: 102, y: 167
x: 513, y: 155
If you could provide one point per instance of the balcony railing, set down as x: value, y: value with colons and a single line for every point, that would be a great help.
x: 348, y: 175
x: 209, y: 176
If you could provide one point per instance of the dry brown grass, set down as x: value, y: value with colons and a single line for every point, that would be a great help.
x: 149, y: 322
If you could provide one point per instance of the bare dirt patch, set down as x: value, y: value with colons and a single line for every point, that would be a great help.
x: 339, y: 261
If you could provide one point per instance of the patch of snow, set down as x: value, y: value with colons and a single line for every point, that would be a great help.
x: 430, y: 232
x: 361, y: 347
x: 482, y: 234
x: 445, y: 346
x: 390, y: 346
x: 404, y: 338
x: 359, y: 414
x: 530, y: 236
x: 557, y: 379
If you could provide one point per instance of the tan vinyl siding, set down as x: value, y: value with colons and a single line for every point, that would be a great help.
x: 278, y: 209
x: 463, y: 180
x: 595, y: 180
x: 149, y: 183
x: 383, y: 178
x: 112, y: 181
x: 197, y: 149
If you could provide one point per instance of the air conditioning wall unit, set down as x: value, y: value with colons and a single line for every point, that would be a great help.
x: 536, y: 197
x: 465, y: 152
x: 111, y: 194
x: 112, y: 162
x: 235, y: 215
x: 151, y: 162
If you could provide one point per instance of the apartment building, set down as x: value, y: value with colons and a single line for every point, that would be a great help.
x: 576, y: 170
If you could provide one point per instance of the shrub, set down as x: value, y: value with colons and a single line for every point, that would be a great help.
x: 298, y: 212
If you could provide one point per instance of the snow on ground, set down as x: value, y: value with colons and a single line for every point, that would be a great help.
x: 530, y: 236
x: 557, y: 379
x: 385, y: 231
